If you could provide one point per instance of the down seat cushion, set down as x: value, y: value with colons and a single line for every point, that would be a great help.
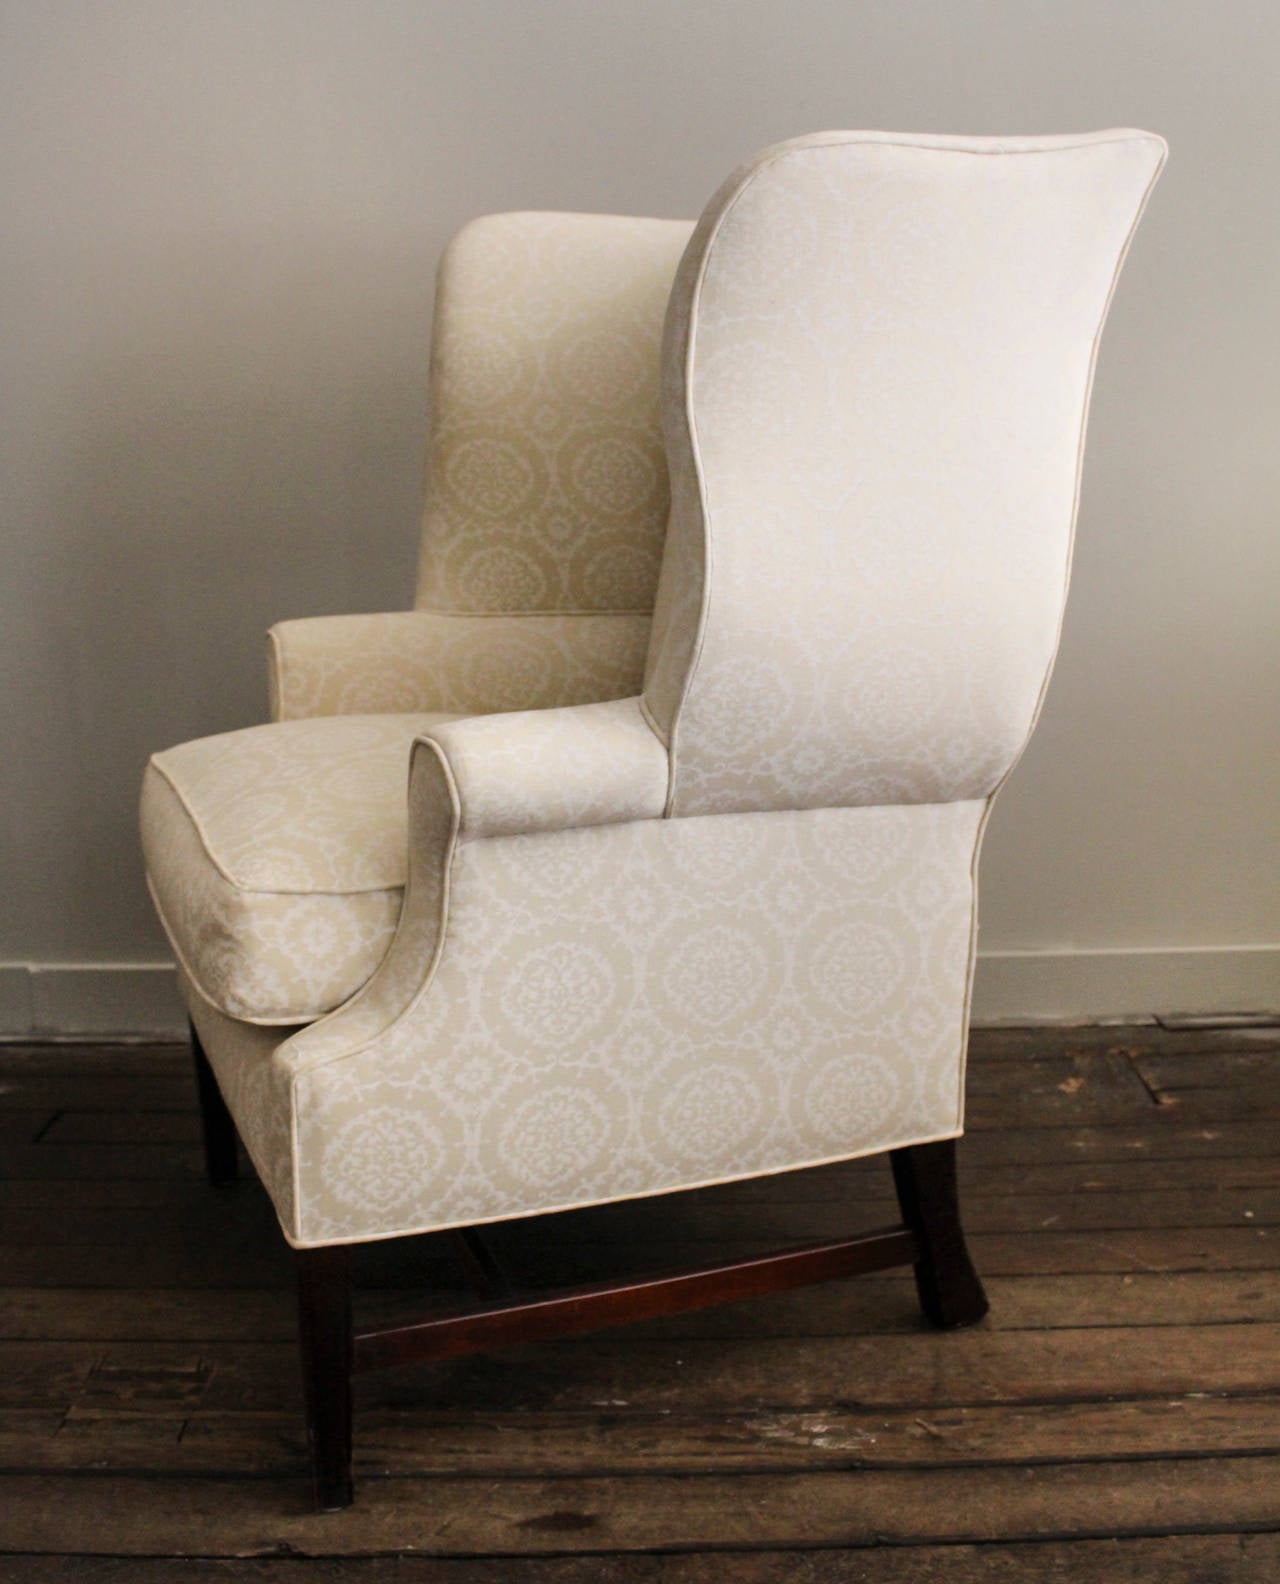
x: 276, y: 857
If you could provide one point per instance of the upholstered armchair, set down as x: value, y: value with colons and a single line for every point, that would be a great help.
x: 672, y: 907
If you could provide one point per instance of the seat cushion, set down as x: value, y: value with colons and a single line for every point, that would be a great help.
x: 276, y: 857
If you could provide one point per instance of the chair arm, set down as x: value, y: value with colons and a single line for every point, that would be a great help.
x: 547, y: 770
x: 420, y: 661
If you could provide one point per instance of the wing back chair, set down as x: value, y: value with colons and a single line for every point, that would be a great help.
x: 723, y: 924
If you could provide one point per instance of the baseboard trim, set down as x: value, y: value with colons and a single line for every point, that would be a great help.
x: 140, y: 1000
x: 90, y: 1000
x: 1124, y: 984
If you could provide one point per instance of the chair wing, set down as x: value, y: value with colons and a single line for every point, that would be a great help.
x: 546, y: 485
x: 877, y: 366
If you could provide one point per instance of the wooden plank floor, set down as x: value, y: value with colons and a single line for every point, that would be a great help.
x: 1116, y: 1419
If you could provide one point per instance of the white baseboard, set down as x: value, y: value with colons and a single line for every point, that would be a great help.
x: 65, y: 1000
x: 1094, y: 986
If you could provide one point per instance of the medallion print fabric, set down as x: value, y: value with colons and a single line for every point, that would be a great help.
x: 546, y: 484
x: 877, y: 368
x: 417, y: 661
x: 276, y: 858
x: 546, y: 479
x: 724, y: 926
x: 626, y: 1009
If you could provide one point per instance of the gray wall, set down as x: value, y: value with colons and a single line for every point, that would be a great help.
x: 222, y: 221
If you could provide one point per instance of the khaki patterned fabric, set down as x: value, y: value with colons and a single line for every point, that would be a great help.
x: 241, y: 1054
x: 546, y: 487
x: 276, y: 858
x: 463, y: 665
x: 546, y: 481
x: 626, y: 1009
x: 621, y: 968
x: 546, y: 345
x: 548, y: 770
x: 877, y: 368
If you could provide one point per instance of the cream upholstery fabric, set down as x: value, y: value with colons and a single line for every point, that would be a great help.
x: 623, y: 968
x: 276, y: 858
x: 546, y: 487
x: 241, y: 1054
x: 625, y: 1009
x: 465, y: 665
x: 546, y: 481
x: 878, y: 362
x: 547, y: 770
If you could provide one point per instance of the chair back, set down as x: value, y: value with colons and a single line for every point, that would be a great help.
x: 877, y: 364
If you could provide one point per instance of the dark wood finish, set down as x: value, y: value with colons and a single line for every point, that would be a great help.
x: 416, y: 1440
x: 221, y: 1162
x: 483, y: 1269
x: 719, y: 1375
x: 1162, y: 1559
x: 1179, y: 1559
x: 1030, y: 1303
x: 824, y: 1509
x: 259, y: 1260
x: 925, y: 1176
x: 324, y: 1333
x: 591, y: 1307
x: 1123, y: 1396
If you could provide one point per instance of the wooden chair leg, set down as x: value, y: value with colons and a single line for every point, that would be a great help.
x: 220, y: 1160
x: 324, y: 1332
x: 925, y: 1176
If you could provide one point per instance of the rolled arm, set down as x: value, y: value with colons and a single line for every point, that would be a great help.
x: 421, y: 661
x: 548, y: 770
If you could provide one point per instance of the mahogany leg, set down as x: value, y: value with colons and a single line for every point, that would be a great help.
x: 324, y: 1333
x: 219, y: 1130
x: 925, y: 1176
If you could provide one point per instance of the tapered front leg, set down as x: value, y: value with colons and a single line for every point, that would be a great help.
x: 324, y: 1333
x: 220, y: 1160
x: 925, y: 1177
